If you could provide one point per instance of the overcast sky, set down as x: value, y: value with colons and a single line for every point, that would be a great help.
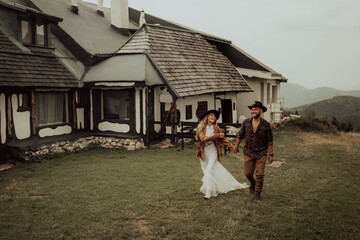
x: 314, y: 43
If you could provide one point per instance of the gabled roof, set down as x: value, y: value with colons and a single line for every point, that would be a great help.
x: 188, y: 63
x: 95, y: 34
x: 90, y: 30
x: 28, y: 10
x: 19, y: 68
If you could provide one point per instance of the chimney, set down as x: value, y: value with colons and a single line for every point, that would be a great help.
x: 74, y: 6
x: 120, y: 14
x: 100, y: 8
x: 142, y: 19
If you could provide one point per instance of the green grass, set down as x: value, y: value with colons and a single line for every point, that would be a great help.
x: 154, y: 194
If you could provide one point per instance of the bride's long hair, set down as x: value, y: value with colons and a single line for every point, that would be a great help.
x: 202, y: 124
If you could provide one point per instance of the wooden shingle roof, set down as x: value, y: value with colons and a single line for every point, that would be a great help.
x: 19, y: 68
x: 189, y: 64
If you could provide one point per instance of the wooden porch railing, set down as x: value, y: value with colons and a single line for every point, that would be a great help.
x: 188, y: 130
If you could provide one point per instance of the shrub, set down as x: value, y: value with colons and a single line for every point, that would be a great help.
x: 312, y: 124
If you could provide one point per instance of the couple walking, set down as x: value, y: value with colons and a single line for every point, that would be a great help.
x: 258, y: 142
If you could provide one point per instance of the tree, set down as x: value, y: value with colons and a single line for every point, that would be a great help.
x: 349, y: 127
x: 335, y: 122
x: 342, y: 127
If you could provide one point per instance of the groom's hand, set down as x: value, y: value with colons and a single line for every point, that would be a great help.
x: 271, y: 159
x: 235, y: 150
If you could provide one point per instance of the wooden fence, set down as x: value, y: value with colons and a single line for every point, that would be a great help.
x: 187, y: 130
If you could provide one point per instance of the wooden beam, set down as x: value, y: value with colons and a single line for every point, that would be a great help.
x: 173, y: 122
x: 167, y: 115
x: 74, y: 109
x: 33, y: 117
x: 9, y: 118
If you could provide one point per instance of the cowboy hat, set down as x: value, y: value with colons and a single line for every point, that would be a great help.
x: 215, y: 112
x: 259, y: 105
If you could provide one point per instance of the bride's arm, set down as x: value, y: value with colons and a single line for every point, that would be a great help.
x: 203, y: 138
x: 226, y: 143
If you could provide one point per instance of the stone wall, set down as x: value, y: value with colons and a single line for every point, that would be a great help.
x: 81, y: 143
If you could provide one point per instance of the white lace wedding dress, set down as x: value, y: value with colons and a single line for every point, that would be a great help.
x: 216, y: 179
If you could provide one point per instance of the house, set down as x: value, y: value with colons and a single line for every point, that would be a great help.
x: 36, y: 90
x: 82, y: 69
x: 266, y: 84
x: 108, y: 73
x: 169, y: 68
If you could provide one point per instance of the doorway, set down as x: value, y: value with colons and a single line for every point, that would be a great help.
x: 226, y: 111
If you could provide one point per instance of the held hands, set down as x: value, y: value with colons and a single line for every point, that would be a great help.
x: 222, y: 135
x: 271, y: 159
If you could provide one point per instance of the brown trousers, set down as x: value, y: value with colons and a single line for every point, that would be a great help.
x: 257, y: 166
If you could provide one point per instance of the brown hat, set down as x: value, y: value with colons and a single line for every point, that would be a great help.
x: 259, y: 105
x: 215, y: 112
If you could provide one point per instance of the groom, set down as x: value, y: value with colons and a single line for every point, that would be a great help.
x: 258, y: 141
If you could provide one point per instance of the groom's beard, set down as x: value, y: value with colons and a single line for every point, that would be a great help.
x: 257, y: 115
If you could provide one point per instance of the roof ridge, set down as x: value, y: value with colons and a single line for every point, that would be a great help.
x: 172, y: 28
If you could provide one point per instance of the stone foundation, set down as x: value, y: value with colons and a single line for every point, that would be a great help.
x: 81, y: 143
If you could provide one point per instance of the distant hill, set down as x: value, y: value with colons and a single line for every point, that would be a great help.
x: 344, y: 108
x: 295, y: 95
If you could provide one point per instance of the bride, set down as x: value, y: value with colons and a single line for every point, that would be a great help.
x: 216, y: 179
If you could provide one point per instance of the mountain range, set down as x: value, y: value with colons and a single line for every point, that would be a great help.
x: 344, y: 108
x: 294, y: 95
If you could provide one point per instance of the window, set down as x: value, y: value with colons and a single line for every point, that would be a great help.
x: 51, y: 108
x: 262, y: 92
x: 40, y: 35
x: 268, y: 93
x: 115, y: 105
x: 25, y: 100
x: 201, y: 109
x: 33, y: 33
x: 26, y: 32
x: 188, y: 114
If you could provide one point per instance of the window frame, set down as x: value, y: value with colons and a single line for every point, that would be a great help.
x: 188, y: 112
x: 32, y: 28
x: 66, y: 110
x: 129, y: 107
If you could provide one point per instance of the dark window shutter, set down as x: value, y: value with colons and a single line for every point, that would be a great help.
x: 188, y: 112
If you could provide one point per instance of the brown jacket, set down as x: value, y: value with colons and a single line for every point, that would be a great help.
x: 216, y: 138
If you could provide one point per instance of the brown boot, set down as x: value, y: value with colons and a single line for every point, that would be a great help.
x: 252, y: 187
x: 257, y: 197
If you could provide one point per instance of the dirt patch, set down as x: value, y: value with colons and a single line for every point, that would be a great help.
x: 16, y: 186
x: 276, y: 164
x: 160, y: 145
x: 6, y: 166
x: 36, y: 197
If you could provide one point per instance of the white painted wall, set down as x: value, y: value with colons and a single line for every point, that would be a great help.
x: 114, y: 127
x: 246, y: 99
x: 80, y: 118
x: 163, y: 96
x: 60, y: 130
x: 182, y: 102
x: 21, y: 119
x: 3, y: 117
x: 144, y: 109
x: 91, y: 110
x: 137, y: 110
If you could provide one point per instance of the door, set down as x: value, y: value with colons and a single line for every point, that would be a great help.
x: 226, y: 111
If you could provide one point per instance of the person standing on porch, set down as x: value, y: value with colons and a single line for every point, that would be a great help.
x: 258, y: 143
x: 216, y: 179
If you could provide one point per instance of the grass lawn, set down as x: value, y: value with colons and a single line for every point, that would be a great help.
x: 154, y: 194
